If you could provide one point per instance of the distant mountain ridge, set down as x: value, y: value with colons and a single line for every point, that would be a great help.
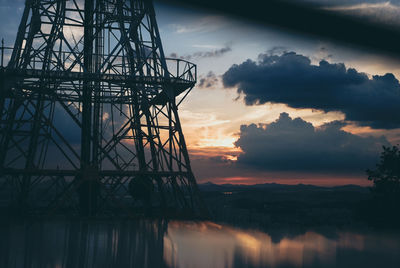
x: 209, y: 186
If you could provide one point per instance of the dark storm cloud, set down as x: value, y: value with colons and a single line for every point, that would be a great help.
x: 208, y: 80
x: 64, y: 123
x: 291, y: 79
x: 204, y: 54
x: 296, y: 145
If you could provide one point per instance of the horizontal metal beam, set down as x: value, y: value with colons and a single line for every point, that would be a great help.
x: 110, y: 78
x: 177, y: 84
x: 308, y: 19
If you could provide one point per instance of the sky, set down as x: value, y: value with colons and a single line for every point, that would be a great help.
x: 276, y: 106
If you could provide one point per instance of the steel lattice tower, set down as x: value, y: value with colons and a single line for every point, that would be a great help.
x: 89, y: 112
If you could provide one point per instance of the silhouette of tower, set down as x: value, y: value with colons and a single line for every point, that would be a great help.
x: 89, y: 112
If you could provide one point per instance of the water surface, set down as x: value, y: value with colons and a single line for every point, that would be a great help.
x: 187, y: 244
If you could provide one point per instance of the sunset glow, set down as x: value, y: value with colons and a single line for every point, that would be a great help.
x: 249, y: 75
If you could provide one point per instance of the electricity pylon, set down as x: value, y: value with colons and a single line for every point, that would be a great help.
x: 89, y: 113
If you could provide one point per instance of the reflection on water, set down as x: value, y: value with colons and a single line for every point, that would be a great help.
x: 185, y: 244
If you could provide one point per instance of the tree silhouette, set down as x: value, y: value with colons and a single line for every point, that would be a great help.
x: 386, y: 176
x: 383, y: 208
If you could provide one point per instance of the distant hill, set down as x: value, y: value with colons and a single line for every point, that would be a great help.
x: 209, y: 187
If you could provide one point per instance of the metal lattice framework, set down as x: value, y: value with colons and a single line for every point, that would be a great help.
x: 89, y: 111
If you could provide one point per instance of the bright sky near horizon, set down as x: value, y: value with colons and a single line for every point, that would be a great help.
x: 273, y: 106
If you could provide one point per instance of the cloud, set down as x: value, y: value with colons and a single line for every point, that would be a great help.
x: 208, y: 81
x: 380, y: 12
x: 330, y: 3
x: 360, y: 6
x: 291, y: 79
x: 212, y: 54
x: 296, y: 145
x: 205, y: 24
x: 205, y: 54
x: 276, y: 50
